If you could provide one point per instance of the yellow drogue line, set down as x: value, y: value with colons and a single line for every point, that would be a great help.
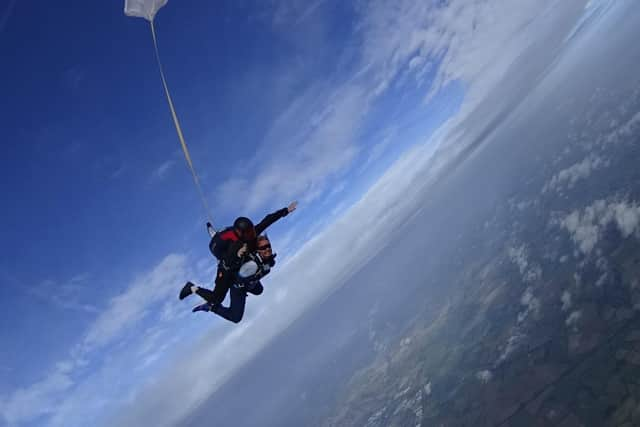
x: 176, y: 122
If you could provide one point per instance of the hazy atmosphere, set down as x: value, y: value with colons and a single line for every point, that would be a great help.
x: 466, y: 247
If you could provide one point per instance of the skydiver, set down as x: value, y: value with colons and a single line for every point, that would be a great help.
x: 230, y: 246
x: 258, y: 265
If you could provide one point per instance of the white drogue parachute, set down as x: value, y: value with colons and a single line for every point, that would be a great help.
x: 148, y: 9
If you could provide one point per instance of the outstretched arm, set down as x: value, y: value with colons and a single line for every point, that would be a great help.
x: 273, y: 217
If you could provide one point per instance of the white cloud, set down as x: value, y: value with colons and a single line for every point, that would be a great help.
x: 161, y: 171
x: 477, y: 40
x: 573, y: 319
x: 531, y: 304
x: 513, y: 343
x: 570, y: 176
x: 530, y: 271
x: 484, y: 376
x: 627, y: 218
x: 624, y: 131
x: 585, y: 233
x: 585, y: 226
x: 518, y: 256
x: 566, y: 300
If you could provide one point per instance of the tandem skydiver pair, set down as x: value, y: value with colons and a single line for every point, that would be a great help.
x: 245, y: 256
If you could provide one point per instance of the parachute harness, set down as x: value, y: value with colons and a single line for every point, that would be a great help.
x: 176, y: 122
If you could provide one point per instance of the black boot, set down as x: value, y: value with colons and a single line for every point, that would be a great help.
x: 186, y: 290
x: 207, y: 306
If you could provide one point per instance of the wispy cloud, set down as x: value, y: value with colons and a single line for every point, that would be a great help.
x: 61, y: 389
x: 531, y: 304
x: 294, y: 12
x: 129, y: 307
x: 573, y: 174
x: 514, y: 343
x: 29, y: 403
x: 593, y: 10
x: 379, y: 148
x: 163, y: 170
x: 65, y: 295
x: 318, y: 136
x: 298, y: 161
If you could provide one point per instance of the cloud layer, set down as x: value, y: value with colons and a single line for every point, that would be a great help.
x: 402, y: 45
x: 59, y: 391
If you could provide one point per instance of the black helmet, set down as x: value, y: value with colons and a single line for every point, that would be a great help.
x: 244, y: 227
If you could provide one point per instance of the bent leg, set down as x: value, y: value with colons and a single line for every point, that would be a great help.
x: 223, y: 282
x: 235, y: 311
x: 220, y: 289
x: 206, y: 294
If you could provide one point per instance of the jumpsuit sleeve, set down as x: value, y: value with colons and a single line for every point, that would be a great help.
x: 270, y: 219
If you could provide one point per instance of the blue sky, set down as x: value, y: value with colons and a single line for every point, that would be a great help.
x: 331, y: 103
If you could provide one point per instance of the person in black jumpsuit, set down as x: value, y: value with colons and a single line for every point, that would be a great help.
x: 230, y: 246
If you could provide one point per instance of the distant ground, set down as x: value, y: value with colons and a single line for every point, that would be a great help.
x: 542, y: 326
